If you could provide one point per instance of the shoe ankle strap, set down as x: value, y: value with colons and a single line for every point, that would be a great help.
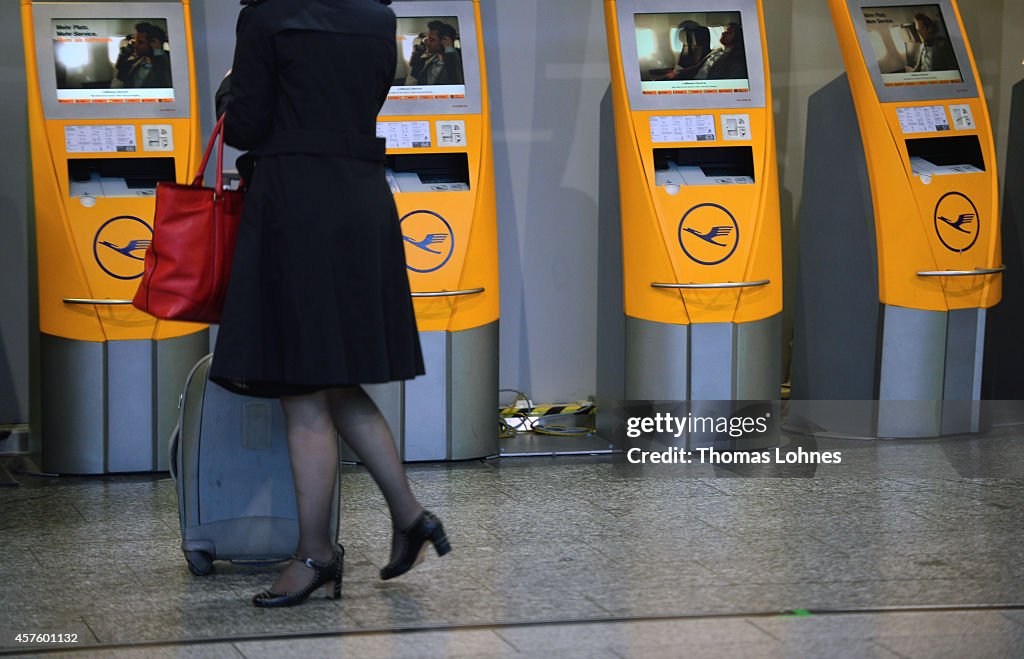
x: 310, y: 563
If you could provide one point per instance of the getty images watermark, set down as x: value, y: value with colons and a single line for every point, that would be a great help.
x: 746, y: 436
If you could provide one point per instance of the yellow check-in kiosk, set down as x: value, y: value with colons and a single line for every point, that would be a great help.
x: 899, y: 236
x: 112, y: 111
x: 699, y: 200
x: 440, y: 167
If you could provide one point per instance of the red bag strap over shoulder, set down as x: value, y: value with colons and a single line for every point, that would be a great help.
x: 217, y: 137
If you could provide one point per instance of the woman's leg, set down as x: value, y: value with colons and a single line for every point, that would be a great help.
x: 362, y: 425
x: 313, y: 449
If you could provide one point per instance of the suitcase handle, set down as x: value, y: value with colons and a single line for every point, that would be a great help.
x: 172, y: 445
x: 172, y: 452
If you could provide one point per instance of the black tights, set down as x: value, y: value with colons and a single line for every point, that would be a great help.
x: 314, y: 422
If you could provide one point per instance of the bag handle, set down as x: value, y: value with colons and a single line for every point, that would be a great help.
x: 218, y: 132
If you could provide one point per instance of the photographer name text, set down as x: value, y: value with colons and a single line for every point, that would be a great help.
x: 707, y: 455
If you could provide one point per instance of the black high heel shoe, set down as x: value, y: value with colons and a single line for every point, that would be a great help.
x: 328, y: 574
x: 407, y: 545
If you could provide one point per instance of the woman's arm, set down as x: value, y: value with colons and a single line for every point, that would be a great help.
x: 253, y: 85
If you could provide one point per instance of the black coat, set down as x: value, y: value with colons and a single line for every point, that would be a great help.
x: 319, y: 292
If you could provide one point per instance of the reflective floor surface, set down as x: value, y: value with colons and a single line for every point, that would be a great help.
x: 906, y: 548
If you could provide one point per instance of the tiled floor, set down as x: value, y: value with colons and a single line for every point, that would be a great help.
x: 910, y: 548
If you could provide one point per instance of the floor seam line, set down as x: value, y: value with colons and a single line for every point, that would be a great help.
x: 512, y: 625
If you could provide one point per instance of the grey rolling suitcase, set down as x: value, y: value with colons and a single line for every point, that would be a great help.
x: 229, y: 461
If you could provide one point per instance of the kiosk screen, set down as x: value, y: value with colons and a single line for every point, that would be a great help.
x: 696, y: 52
x: 429, y: 59
x: 112, y: 60
x: 912, y: 45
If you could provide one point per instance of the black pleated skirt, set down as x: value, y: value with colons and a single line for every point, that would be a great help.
x: 319, y: 291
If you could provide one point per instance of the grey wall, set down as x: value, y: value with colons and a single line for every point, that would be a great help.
x: 554, y: 163
x: 547, y: 94
x: 15, y: 228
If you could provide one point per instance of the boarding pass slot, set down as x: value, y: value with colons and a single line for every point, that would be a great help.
x: 428, y: 172
x: 92, y: 178
x: 938, y: 156
x: 676, y: 167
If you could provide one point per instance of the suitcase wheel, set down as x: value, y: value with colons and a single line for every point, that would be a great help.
x: 199, y: 563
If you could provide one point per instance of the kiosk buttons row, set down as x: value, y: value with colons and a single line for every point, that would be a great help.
x: 682, y: 128
x: 416, y: 134
x: 105, y: 138
x: 117, y: 138
x: 698, y: 128
x: 451, y: 133
x: 933, y: 119
x: 405, y: 134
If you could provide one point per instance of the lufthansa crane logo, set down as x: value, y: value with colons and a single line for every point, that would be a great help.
x: 708, y: 234
x: 120, y: 246
x: 957, y: 222
x: 429, y: 241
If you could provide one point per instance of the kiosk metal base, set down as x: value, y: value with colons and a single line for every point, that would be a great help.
x: 718, y: 369
x: 110, y: 407
x: 703, y: 361
x: 862, y: 369
x: 927, y: 381
x: 451, y: 413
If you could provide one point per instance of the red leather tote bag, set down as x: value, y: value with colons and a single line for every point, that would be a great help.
x: 188, y: 263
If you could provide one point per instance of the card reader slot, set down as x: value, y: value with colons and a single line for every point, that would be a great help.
x: 429, y: 172
x: 729, y: 165
x: 948, y: 155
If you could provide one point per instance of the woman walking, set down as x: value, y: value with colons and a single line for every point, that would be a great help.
x: 319, y: 300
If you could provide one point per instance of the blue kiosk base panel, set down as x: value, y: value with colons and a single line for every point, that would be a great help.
x: 109, y: 407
